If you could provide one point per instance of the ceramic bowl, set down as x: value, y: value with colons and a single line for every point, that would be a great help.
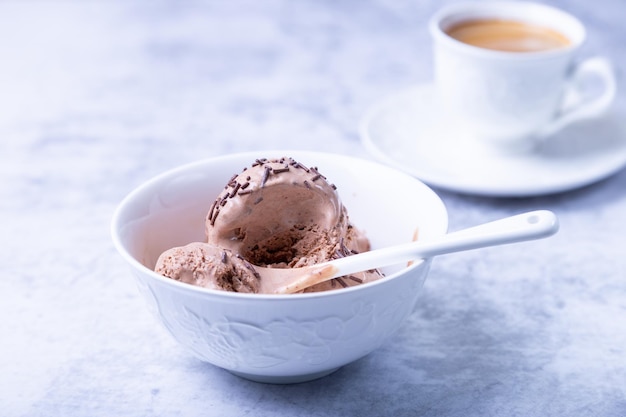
x: 279, y: 338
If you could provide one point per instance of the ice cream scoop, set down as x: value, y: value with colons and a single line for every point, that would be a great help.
x: 280, y: 213
x: 521, y: 227
x: 272, y: 205
x: 209, y: 266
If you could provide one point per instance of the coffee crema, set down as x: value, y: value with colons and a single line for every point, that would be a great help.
x: 507, y: 35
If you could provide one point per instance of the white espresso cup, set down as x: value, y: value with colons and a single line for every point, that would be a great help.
x: 514, y: 95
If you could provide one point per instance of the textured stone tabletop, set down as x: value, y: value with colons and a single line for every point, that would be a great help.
x: 98, y: 96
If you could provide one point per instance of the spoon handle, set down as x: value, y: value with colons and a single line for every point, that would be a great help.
x: 527, y: 226
x: 518, y: 228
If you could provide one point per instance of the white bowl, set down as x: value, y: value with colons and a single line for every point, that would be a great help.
x: 279, y: 338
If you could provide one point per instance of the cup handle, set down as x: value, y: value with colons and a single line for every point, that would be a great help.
x: 575, y: 106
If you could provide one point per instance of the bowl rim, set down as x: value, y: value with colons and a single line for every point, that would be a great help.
x: 185, y: 287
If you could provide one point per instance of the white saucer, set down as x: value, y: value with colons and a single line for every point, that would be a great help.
x: 407, y: 131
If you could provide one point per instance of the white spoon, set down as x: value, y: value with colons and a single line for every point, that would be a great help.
x: 532, y: 225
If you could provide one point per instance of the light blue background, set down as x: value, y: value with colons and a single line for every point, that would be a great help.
x: 98, y: 96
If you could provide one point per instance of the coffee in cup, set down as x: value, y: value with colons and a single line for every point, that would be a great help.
x: 505, y: 72
x: 507, y: 35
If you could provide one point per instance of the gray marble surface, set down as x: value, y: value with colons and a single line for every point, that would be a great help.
x: 98, y: 96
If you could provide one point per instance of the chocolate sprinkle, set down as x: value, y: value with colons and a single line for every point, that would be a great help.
x: 315, y: 171
x: 234, y: 192
x: 299, y: 165
x: 355, y: 279
x: 280, y: 170
x: 224, y: 257
x: 217, y: 211
x: 266, y: 175
x: 342, y: 282
x: 211, y: 211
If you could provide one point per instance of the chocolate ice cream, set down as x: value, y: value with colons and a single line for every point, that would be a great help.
x: 282, y: 214
x: 208, y: 266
